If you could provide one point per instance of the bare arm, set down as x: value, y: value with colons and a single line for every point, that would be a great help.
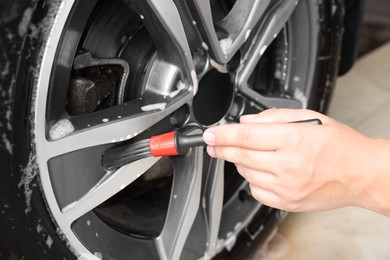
x: 305, y: 167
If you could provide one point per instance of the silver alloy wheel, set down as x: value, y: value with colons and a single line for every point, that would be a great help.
x: 235, y: 47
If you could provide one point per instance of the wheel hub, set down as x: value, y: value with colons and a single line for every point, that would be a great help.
x: 209, y: 105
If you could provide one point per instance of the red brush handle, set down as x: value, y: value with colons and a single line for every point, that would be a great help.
x: 163, y: 145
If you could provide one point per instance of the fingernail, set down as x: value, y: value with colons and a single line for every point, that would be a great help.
x: 209, y: 137
x: 210, y: 150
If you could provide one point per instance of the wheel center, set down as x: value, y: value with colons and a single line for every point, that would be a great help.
x: 213, y: 99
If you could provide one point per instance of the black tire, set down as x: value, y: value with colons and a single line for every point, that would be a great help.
x: 28, y: 227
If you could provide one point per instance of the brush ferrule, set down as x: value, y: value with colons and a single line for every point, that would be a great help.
x: 163, y: 145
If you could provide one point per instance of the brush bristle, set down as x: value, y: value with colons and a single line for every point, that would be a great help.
x: 119, y: 156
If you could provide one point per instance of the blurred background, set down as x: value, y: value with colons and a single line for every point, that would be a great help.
x: 376, y: 26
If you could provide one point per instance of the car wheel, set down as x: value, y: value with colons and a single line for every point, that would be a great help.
x: 79, y: 77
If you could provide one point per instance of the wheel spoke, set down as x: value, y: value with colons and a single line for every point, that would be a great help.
x: 171, y: 71
x: 233, y: 30
x: 109, y: 185
x: 184, y: 204
x: 122, y: 122
x: 164, y: 24
x: 214, y: 201
x: 271, y: 24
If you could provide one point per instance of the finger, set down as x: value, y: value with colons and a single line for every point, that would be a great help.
x: 261, y: 161
x: 256, y: 177
x: 283, y: 115
x: 262, y: 137
x: 265, y: 196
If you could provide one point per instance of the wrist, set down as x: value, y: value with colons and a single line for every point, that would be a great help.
x: 375, y: 189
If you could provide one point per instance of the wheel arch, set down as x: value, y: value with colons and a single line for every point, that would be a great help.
x: 353, y: 21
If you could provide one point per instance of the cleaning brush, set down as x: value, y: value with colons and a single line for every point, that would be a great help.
x: 167, y: 144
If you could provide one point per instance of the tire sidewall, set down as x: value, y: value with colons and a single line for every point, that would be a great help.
x: 27, y: 230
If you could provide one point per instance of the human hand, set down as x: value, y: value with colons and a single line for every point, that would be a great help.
x: 303, y: 167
